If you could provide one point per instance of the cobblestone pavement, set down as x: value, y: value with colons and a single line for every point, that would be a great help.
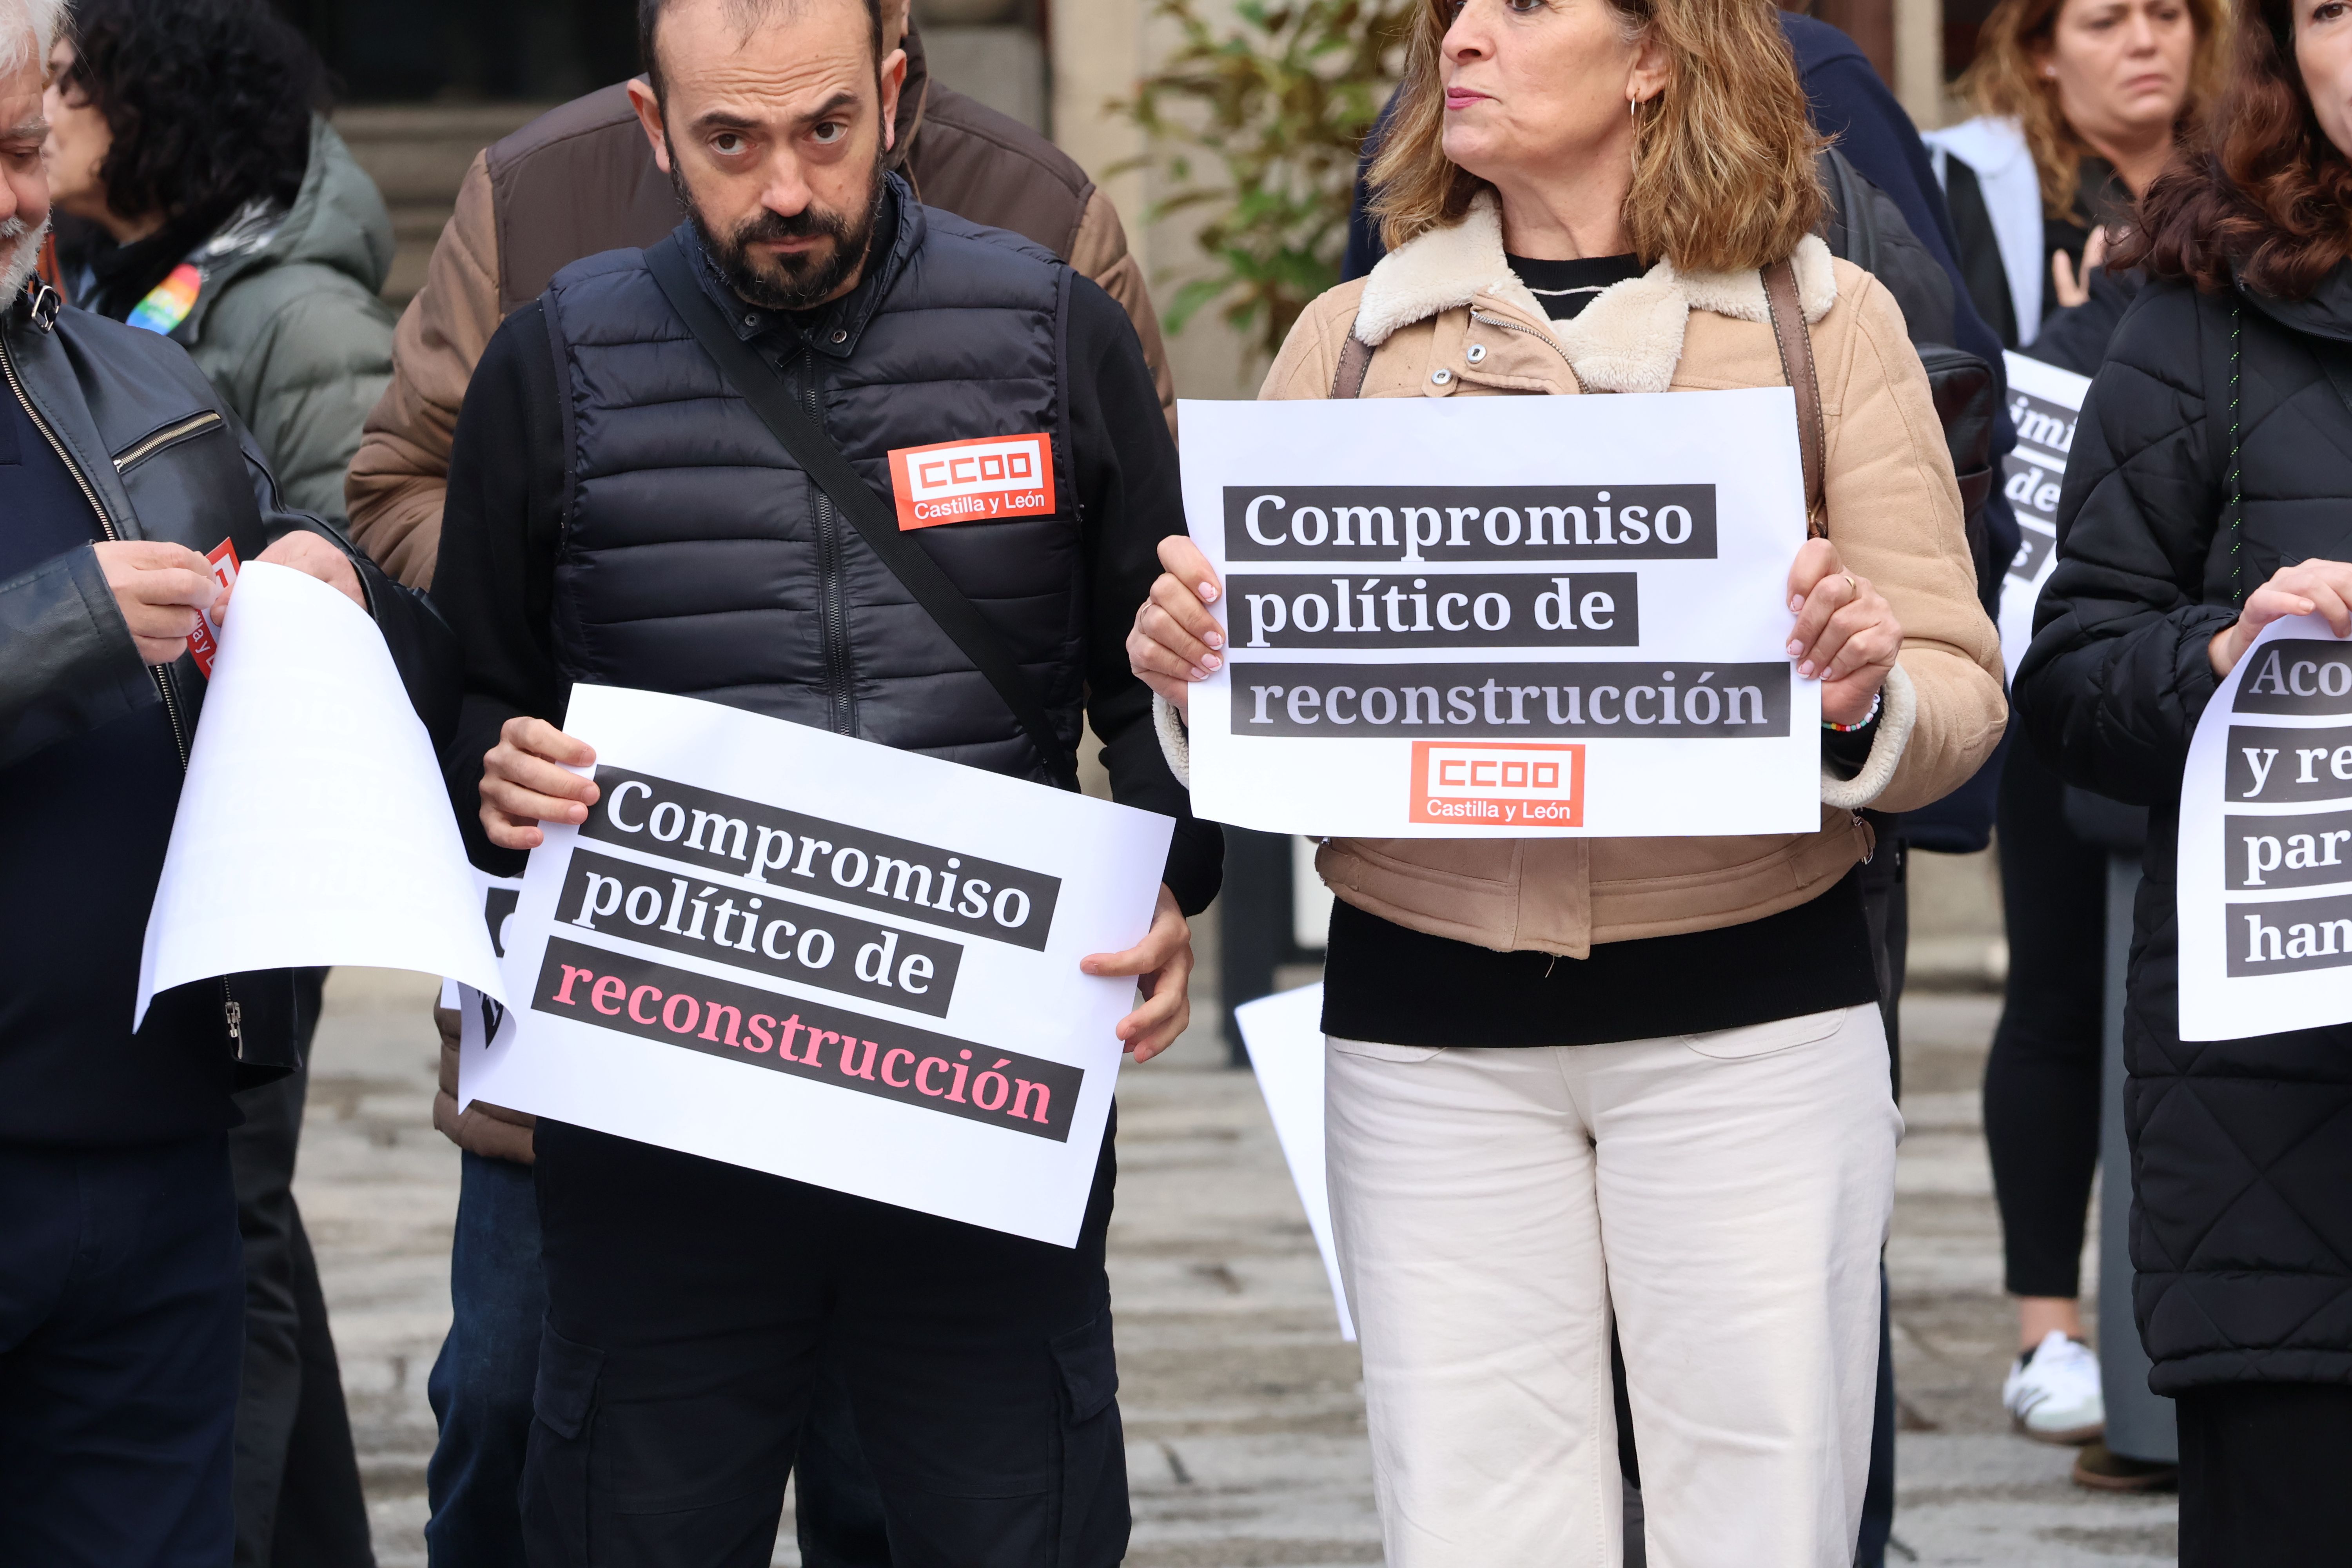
x: 1244, y: 1421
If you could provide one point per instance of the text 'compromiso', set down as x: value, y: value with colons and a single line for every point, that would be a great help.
x: 766, y: 845
x: 1412, y: 523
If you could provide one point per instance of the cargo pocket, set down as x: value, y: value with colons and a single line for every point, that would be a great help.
x: 1094, y: 1523
x: 555, y: 1490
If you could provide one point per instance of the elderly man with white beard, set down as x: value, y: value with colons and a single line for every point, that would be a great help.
x: 121, y: 1295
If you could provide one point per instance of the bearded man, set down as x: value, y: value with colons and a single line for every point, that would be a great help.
x: 618, y: 513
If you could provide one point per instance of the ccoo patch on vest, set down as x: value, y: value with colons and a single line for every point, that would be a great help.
x: 977, y: 480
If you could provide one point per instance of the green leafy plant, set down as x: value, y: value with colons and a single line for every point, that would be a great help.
x: 1278, y: 109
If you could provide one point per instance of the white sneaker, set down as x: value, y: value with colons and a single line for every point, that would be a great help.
x: 2053, y: 1392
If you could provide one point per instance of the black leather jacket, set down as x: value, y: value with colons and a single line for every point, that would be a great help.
x: 159, y: 456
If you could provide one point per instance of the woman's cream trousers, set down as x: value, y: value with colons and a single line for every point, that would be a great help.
x: 1727, y: 1194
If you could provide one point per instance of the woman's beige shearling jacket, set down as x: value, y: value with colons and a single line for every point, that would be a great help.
x: 1445, y: 317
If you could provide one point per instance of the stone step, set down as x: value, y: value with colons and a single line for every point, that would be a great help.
x: 417, y: 154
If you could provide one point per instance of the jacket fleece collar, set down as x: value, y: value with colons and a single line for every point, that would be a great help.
x: 1627, y: 340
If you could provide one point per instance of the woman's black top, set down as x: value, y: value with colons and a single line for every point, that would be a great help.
x: 1388, y: 983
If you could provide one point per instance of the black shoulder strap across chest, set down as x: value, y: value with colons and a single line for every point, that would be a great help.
x: 759, y: 385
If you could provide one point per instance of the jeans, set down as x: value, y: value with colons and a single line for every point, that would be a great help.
x: 480, y: 1390
x: 121, y: 1317
x: 480, y: 1384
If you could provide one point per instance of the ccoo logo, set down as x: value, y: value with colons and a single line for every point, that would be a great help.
x: 1496, y: 784
x: 978, y: 480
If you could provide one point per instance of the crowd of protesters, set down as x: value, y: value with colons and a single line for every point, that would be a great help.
x: 1614, y: 1244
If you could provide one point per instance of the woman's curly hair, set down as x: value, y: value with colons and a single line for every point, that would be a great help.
x: 209, y: 103
x: 2262, y: 191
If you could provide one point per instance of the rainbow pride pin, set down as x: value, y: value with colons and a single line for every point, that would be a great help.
x: 172, y: 301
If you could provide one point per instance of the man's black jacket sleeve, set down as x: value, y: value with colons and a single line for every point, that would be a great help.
x: 499, y: 527
x: 1131, y: 498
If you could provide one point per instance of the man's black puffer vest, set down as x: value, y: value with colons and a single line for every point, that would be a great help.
x: 699, y: 558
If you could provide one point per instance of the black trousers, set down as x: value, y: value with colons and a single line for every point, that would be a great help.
x: 2263, y: 1467
x: 298, y: 1503
x: 121, y: 1312
x: 2041, y: 1079
x: 688, y: 1304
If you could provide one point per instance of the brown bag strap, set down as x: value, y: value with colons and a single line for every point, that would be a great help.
x: 1355, y: 361
x: 1797, y: 364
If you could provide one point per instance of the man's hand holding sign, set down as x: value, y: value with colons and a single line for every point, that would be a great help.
x: 899, y: 944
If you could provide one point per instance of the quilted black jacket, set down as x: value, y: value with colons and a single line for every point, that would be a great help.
x: 2242, y: 1150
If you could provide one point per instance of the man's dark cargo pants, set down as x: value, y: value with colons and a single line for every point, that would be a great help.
x: 687, y: 1303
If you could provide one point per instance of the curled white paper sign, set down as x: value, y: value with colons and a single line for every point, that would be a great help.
x: 2264, y: 894
x: 313, y: 826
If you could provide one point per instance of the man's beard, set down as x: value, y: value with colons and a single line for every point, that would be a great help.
x: 20, y: 252
x: 787, y: 281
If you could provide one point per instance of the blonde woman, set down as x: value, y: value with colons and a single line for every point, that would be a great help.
x: 1647, y: 1078
x: 2080, y: 104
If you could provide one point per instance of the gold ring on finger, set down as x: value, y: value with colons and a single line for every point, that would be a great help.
x: 1853, y: 592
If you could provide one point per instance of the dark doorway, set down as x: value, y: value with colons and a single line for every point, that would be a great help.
x: 469, y: 50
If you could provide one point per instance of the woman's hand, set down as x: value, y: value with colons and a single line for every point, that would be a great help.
x: 2072, y: 291
x: 2314, y: 587
x: 1176, y: 640
x: 1845, y: 633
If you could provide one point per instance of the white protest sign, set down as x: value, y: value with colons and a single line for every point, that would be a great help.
x: 2264, y: 894
x: 2042, y: 402
x: 1284, y: 1034
x: 313, y: 827
x: 483, y: 1021
x: 828, y: 960
x: 1503, y: 617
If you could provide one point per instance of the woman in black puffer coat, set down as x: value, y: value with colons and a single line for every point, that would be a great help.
x: 2242, y: 1150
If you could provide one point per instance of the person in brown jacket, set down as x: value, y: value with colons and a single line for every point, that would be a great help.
x: 1578, y: 1080
x: 579, y: 179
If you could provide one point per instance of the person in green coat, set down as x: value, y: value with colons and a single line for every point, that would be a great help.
x: 216, y: 205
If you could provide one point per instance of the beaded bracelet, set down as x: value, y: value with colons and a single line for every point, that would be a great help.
x: 1867, y: 719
